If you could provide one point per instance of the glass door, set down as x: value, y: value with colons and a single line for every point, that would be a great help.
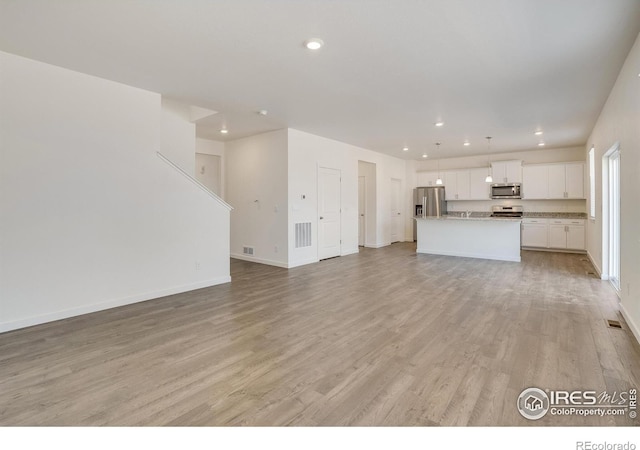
x: 614, y: 219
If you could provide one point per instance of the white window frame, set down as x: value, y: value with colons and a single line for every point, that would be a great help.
x: 592, y: 183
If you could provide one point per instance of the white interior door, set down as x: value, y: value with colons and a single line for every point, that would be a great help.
x: 362, y: 202
x: 328, y: 213
x: 208, y: 172
x: 396, y: 210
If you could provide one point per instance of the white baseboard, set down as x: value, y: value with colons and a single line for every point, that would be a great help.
x: 376, y: 245
x: 632, y: 325
x: 268, y: 262
x: 302, y: 262
x: 595, y: 266
x: 95, y: 307
x: 472, y: 255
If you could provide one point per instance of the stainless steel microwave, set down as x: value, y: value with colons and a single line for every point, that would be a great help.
x: 506, y: 190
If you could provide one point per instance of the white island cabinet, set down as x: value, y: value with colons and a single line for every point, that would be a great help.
x: 473, y: 237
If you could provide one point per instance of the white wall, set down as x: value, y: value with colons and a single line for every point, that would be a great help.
x: 307, y: 152
x: 90, y: 217
x: 619, y: 122
x: 256, y: 182
x: 178, y: 134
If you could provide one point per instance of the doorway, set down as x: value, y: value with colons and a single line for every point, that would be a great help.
x: 209, y: 172
x: 329, y: 213
x: 367, y: 232
x: 362, y: 210
x: 396, y: 210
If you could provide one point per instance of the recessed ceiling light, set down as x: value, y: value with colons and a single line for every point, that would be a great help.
x: 538, y: 132
x: 467, y: 143
x: 424, y: 155
x: 439, y: 123
x: 405, y: 149
x: 262, y: 112
x: 224, y: 131
x: 540, y: 144
x: 313, y: 44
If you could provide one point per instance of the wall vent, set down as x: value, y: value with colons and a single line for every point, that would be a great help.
x: 303, y: 234
x: 247, y: 251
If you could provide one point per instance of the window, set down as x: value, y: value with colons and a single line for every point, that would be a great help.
x: 592, y: 183
x: 614, y: 218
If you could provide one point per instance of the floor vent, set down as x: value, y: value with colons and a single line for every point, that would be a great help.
x: 590, y: 273
x: 303, y: 234
x: 247, y: 251
x: 614, y: 324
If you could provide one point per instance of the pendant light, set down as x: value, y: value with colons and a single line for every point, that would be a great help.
x: 489, y: 178
x: 438, y: 180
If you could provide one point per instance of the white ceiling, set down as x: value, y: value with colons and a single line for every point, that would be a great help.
x: 389, y: 68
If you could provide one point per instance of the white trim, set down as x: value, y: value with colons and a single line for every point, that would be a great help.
x: 554, y: 250
x: 268, y: 262
x: 595, y: 266
x: 87, y: 309
x: 194, y: 181
x: 632, y: 325
x: 303, y: 262
x: 470, y: 255
x: 376, y: 245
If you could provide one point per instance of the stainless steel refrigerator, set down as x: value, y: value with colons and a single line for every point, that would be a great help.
x: 428, y: 201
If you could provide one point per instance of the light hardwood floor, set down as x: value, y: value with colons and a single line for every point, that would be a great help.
x: 385, y: 337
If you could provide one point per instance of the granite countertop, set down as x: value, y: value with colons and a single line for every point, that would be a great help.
x: 473, y: 217
x: 542, y: 215
x: 556, y: 215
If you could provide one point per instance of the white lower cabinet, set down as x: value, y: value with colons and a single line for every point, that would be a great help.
x: 557, y: 236
x: 576, y: 237
x: 565, y: 234
x: 535, y: 233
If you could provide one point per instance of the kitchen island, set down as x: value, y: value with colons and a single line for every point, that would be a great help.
x: 471, y: 237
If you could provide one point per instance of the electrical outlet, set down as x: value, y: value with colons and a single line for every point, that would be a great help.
x: 275, y: 249
x: 197, y: 265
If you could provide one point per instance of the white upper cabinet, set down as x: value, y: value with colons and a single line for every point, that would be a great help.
x: 506, y: 171
x: 574, y: 180
x: 427, y: 178
x: 553, y: 181
x: 556, y: 181
x: 535, y: 182
x: 478, y: 187
x: 456, y: 185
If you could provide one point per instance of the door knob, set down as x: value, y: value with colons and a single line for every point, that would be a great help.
x: 321, y: 217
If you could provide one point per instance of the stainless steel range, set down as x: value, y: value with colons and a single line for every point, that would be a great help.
x: 506, y: 212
